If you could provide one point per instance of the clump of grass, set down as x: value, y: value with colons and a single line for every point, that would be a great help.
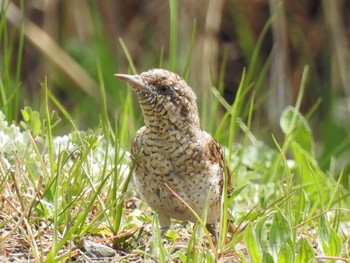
x: 11, y: 56
x: 67, y: 187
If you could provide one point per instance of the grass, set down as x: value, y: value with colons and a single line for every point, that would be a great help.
x: 58, y: 191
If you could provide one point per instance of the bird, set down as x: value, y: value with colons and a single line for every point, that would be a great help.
x: 175, y: 160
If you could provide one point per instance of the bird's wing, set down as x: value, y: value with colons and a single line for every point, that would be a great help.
x: 136, y: 146
x: 214, y: 153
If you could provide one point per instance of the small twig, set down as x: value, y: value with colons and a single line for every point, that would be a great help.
x: 332, y: 258
x: 132, y: 231
x: 318, y: 215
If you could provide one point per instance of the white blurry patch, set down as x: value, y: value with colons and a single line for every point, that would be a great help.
x: 19, y: 145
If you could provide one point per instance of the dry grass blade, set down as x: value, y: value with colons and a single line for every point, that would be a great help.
x: 20, y: 220
x: 211, y: 243
x: 51, y: 50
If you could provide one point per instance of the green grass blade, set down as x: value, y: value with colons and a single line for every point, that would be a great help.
x: 128, y: 56
x: 173, y: 35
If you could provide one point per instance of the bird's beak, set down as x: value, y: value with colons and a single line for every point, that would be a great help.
x: 135, y: 81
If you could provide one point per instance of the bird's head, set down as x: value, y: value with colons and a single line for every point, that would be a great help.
x: 164, y: 96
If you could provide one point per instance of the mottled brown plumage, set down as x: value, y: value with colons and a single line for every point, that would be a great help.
x: 171, y: 149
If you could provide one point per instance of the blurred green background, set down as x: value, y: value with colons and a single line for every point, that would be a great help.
x: 67, y: 41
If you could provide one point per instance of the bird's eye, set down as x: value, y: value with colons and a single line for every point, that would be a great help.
x: 165, y: 90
